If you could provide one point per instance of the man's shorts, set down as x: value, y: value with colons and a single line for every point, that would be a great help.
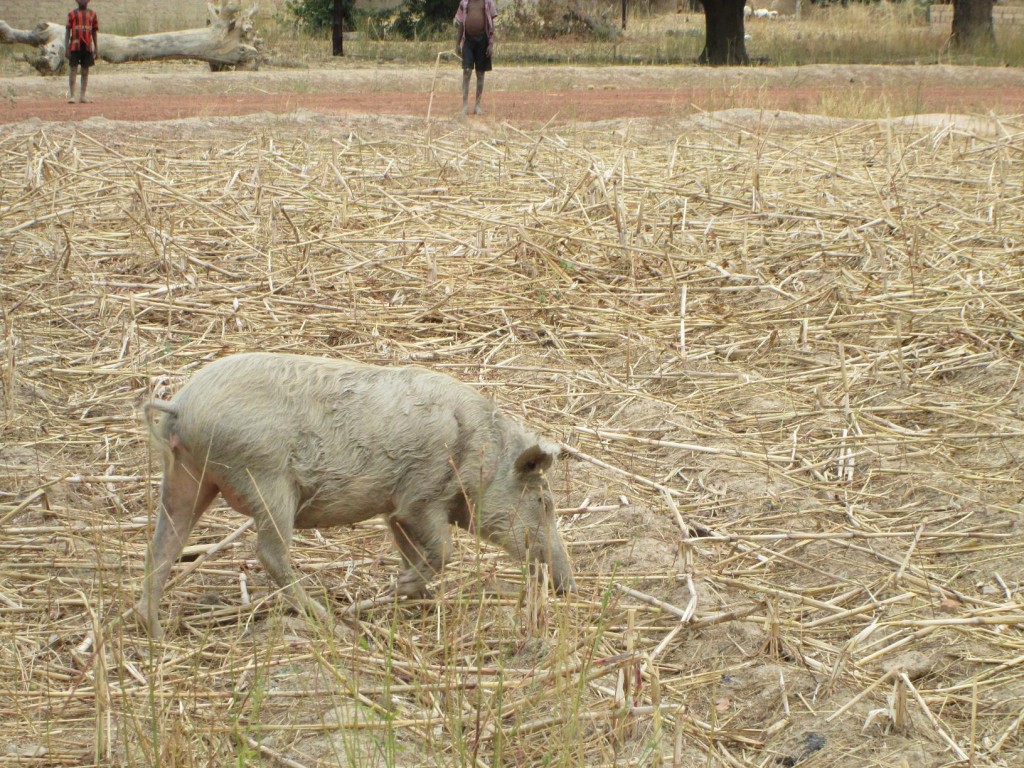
x: 474, y: 53
x: 83, y: 58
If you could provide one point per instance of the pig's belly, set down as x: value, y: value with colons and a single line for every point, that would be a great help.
x: 343, y: 504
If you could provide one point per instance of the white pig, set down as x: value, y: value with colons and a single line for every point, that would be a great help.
x: 303, y: 442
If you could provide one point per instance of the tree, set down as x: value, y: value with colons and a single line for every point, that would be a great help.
x: 723, y: 38
x: 229, y: 40
x: 972, y: 24
x: 318, y: 15
x: 337, y: 41
x: 423, y: 17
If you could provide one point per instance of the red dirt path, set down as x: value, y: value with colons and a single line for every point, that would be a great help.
x: 521, y: 106
x: 524, y: 95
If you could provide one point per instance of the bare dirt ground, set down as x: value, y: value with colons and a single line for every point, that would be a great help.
x: 525, y: 95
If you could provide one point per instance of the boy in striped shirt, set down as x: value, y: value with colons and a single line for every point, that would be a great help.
x: 82, y: 46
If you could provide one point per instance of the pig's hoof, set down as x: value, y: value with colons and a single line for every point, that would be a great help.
x: 412, y: 587
x: 151, y: 628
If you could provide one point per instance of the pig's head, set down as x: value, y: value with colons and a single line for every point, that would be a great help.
x: 518, y: 512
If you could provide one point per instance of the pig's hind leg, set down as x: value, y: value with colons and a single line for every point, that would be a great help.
x: 185, y: 493
x: 274, y: 509
x: 424, y: 539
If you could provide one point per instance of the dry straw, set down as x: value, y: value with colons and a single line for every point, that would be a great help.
x: 786, y: 365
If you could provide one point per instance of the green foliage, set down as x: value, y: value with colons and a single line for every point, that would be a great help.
x: 415, y: 20
x: 421, y: 18
x: 557, y: 18
x: 318, y: 15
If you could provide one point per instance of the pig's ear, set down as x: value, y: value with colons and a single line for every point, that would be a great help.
x: 536, y: 458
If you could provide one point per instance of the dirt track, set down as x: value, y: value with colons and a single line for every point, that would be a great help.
x: 523, y: 94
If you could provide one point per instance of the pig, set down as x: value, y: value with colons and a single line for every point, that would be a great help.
x: 297, y: 441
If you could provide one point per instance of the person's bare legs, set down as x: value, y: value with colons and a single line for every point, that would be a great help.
x: 466, y: 74
x: 85, y: 84
x: 479, y: 92
x: 72, y: 77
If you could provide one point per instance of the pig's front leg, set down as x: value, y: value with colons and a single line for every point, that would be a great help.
x: 274, y: 505
x: 423, y: 537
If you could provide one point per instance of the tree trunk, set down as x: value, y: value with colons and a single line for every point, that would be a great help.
x: 972, y: 24
x: 723, y: 39
x: 337, y: 41
x: 228, y: 41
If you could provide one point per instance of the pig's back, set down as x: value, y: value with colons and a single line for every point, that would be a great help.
x: 333, y: 427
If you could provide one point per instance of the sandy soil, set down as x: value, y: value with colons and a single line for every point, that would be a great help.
x: 526, y: 95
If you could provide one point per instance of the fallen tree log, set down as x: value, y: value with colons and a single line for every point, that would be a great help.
x: 229, y: 41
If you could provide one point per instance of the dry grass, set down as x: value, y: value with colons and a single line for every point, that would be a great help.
x: 889, y: 33
x: 787, y: 364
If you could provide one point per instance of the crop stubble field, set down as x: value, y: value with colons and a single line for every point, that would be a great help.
x: 784, y: 355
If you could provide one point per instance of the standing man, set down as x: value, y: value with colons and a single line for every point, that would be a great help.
x: 474, y: 22
x: 81, y: 43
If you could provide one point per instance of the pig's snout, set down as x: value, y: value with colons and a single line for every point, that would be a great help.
x: 562, y: 580
x: 565, y: 584
x: 559, y: 569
